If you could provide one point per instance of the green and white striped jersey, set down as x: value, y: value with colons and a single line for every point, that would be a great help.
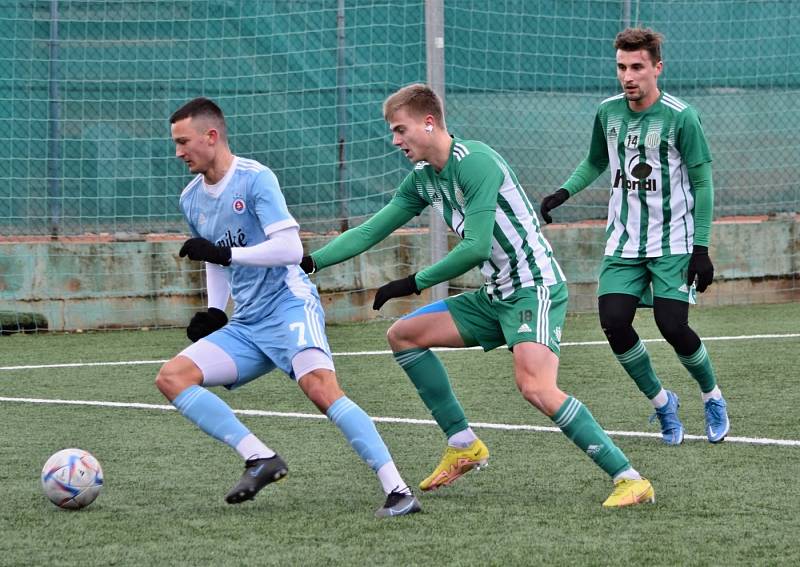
x: 477, y: 179
x: 649, y: 153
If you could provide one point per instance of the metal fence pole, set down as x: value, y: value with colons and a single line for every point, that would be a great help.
x: 341, y: 119
x: 626, y: 14
x: 53, y: 145
x: 434, y: 48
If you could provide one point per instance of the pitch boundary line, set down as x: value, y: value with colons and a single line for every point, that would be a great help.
x: 401, y: 420
x: 386, y: 352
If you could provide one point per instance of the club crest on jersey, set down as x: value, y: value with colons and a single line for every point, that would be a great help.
x: 652, y: 140
x: 238, y: 206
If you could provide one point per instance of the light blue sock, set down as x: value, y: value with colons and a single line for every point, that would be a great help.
x: 360, y: 432
x: 211, y: 414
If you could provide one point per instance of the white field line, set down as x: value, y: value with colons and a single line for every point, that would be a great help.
x: 479, y: 425
x: 386, y: 352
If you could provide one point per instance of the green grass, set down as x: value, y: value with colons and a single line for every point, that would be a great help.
x: 537, y: 503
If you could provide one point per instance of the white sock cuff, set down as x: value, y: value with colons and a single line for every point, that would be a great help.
x: 628, y: 474
x: 714, y: 394
x: 251, y: 447
x: 660, y: 399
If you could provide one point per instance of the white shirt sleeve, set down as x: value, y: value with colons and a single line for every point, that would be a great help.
x: 282, y: 248
x: 219, y: 290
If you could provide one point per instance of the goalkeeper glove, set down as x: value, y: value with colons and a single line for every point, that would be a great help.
x: 551, y: 202
x: 700, y: 266
x: 396, y: 288
x: 204, y: 250
x: 206, y: 322
x: 308, y: 265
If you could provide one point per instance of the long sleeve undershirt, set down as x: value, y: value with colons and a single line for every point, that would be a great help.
x: 282, y: 248
x: 219, y: 290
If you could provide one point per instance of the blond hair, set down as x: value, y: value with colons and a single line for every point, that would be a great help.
x: 419, y: 99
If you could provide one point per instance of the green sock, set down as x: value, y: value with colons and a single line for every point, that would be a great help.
x: 430, y: 378
x: 699, y: 366
x: 636, y: 363
x: 578, y: 423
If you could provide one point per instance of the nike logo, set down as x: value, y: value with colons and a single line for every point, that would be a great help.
x: 401, y: 511
x: 255, y: 471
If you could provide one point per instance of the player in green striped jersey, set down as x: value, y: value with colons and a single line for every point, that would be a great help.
x: 659, y: 225
x: 522, y: 303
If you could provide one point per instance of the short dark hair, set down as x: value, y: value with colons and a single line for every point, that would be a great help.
x: 200, y: 106
x: 418, y: 98
x: 634, y: 39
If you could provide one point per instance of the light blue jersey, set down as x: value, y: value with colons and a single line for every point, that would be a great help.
x: 277, y: 311
x: 240, y: 210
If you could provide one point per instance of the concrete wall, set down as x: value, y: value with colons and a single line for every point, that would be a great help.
x: 86, y: 283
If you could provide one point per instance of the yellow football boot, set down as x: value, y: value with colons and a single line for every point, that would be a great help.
x: 630, y: 492
x: 455, y: 463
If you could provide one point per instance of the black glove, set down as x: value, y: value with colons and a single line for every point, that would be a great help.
x: 205, y: 322
x: 204, y: 250
x: 396, y: 288
x: 307, y: 264
x: 700, y: 266
x: 551, y: 202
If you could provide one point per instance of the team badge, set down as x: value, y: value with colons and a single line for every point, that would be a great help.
x: 652, y: 140
x: 238, y: 206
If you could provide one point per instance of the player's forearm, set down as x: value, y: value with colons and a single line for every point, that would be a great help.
x: 702, y: 183
x: 583, y: 176
x: 283, y: 248
x: 217, y: 286
x: 357, y: 240
x: 470, y: 252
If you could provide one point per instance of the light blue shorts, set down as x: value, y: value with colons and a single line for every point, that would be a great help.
x: 259, y: 347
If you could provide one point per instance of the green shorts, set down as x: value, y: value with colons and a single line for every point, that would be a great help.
x: 531, y: 314
x: 635, y: 276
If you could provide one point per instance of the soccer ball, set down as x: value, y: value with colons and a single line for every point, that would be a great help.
x: 72, y: 478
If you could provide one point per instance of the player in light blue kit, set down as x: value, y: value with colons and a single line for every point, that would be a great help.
x: 250, y: 243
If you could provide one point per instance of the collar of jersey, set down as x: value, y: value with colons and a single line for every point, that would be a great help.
x: 217, y: 189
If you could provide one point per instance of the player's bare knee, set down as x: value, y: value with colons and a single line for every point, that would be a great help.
x: 321, y: 387
x: 399, y: 336
x: 173, y: 378
x: 532, y: 392
x: 546, y: 399
x: 393, y: 335
x: 165, y: 376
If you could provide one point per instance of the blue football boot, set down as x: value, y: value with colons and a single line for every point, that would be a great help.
x: 671, y: 426
x: 717, y: 424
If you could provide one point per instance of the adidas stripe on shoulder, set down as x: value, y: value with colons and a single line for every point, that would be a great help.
x: 674, y: 103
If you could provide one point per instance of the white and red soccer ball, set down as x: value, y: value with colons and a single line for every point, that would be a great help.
x: 72, y: 478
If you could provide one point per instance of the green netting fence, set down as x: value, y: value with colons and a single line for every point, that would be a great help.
x: 86, y: 88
